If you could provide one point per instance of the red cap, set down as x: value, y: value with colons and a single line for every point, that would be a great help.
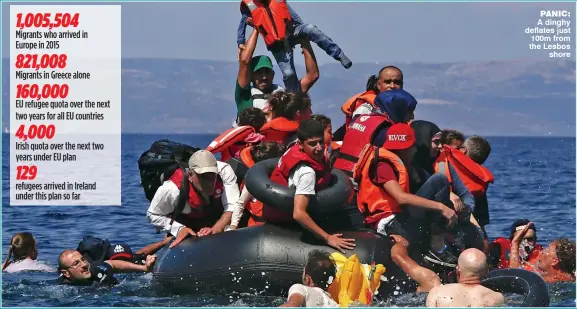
x: 399, y: 137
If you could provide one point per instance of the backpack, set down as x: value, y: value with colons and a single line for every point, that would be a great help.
x: 94, y: 248
x: 157, y: 164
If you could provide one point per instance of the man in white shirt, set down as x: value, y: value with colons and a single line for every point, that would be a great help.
x: 318, y: 274
x: 304, y: 167
x: 208, y: 206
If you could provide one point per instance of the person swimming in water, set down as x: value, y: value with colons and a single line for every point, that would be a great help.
x: 24, y: 253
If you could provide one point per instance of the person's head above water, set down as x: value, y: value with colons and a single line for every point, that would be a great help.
x: 261, y: 72
x: 22, y: 246
x: 559, y: 255
x: 319, y: 270
x: 398, y: 104
x: 203, y: 171
x: 292, y: 106
x: 73, y: 266
x: 472, y: 265
x: 519, y: 225
x: 389, y: 77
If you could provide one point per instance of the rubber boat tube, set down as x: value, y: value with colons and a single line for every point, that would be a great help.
x: 519, y: 281
x: 260, y: 186
x: 263, y: 259
x: 268, y: 259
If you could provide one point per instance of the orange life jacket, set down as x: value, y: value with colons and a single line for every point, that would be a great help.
x: 279, y: 130
x: 505, y: 246
x: 253, y: 206
x: 270, y: 19
x: 474, y: 176
x: 202, y: 211
x: 372, y: 200
x: 289, y: 160
x: 230, y: 142
x: 359, y: 134
x: 336, y: 145
x: 353, y: 102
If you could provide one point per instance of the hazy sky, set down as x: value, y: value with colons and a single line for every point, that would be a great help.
x: 367, y: 32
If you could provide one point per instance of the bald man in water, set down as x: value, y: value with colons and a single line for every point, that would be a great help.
x: 471, y: 269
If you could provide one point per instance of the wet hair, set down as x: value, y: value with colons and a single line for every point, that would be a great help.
x: 373, y: 79
x: 565, y: 250
x: 253, y: 117
x: 267, y: 150
x: 478, y: 148
x: 22, y: 246
x: 286, y: 104
x: 448, y: 136
x: 310, y: 128
x: 320, y: 267
x: 518, y: 223
x: 322, y: 119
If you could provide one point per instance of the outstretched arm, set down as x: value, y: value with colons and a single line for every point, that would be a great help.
x: 120, y: 266
x: 243, y: 77
x: 152, y: 248
x: 311, y: 66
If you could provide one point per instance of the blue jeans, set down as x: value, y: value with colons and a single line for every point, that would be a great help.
x: 414, y: 223
x: 285, y: 57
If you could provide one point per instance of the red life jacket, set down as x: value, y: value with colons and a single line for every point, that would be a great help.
x: 279, y: 130
x: 474, y: 176
x: 269, y: 18
x: 201, y: 211
x: 359, y: 133
x: 505, y: 246
x: 229, y: 143
x: 289, y: 160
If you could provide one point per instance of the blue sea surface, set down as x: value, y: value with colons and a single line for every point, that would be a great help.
x: 534, y: 179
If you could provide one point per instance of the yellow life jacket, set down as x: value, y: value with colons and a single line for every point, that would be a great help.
x: 354, y: 282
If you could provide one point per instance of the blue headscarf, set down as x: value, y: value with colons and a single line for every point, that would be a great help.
x: 396, y: 103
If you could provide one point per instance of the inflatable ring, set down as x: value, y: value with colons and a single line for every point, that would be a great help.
x: 519, y: 281
x: 331, y: 199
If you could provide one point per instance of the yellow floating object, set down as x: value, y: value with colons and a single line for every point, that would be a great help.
x: 354, y: 281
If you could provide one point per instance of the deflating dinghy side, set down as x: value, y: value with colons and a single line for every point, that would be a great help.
x: 262, y: 258
x: 519, y: 281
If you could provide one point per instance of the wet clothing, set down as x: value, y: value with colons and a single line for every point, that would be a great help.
x: 27, y: 265
x: 102, y: 275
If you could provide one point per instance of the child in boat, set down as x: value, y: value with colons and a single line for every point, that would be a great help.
x: 281, y: 28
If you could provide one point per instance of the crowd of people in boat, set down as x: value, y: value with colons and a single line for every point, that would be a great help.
x: 422, y: 186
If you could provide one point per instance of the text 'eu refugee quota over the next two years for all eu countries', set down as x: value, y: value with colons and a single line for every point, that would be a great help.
x: 551, y: 33
x: 65, y: 105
